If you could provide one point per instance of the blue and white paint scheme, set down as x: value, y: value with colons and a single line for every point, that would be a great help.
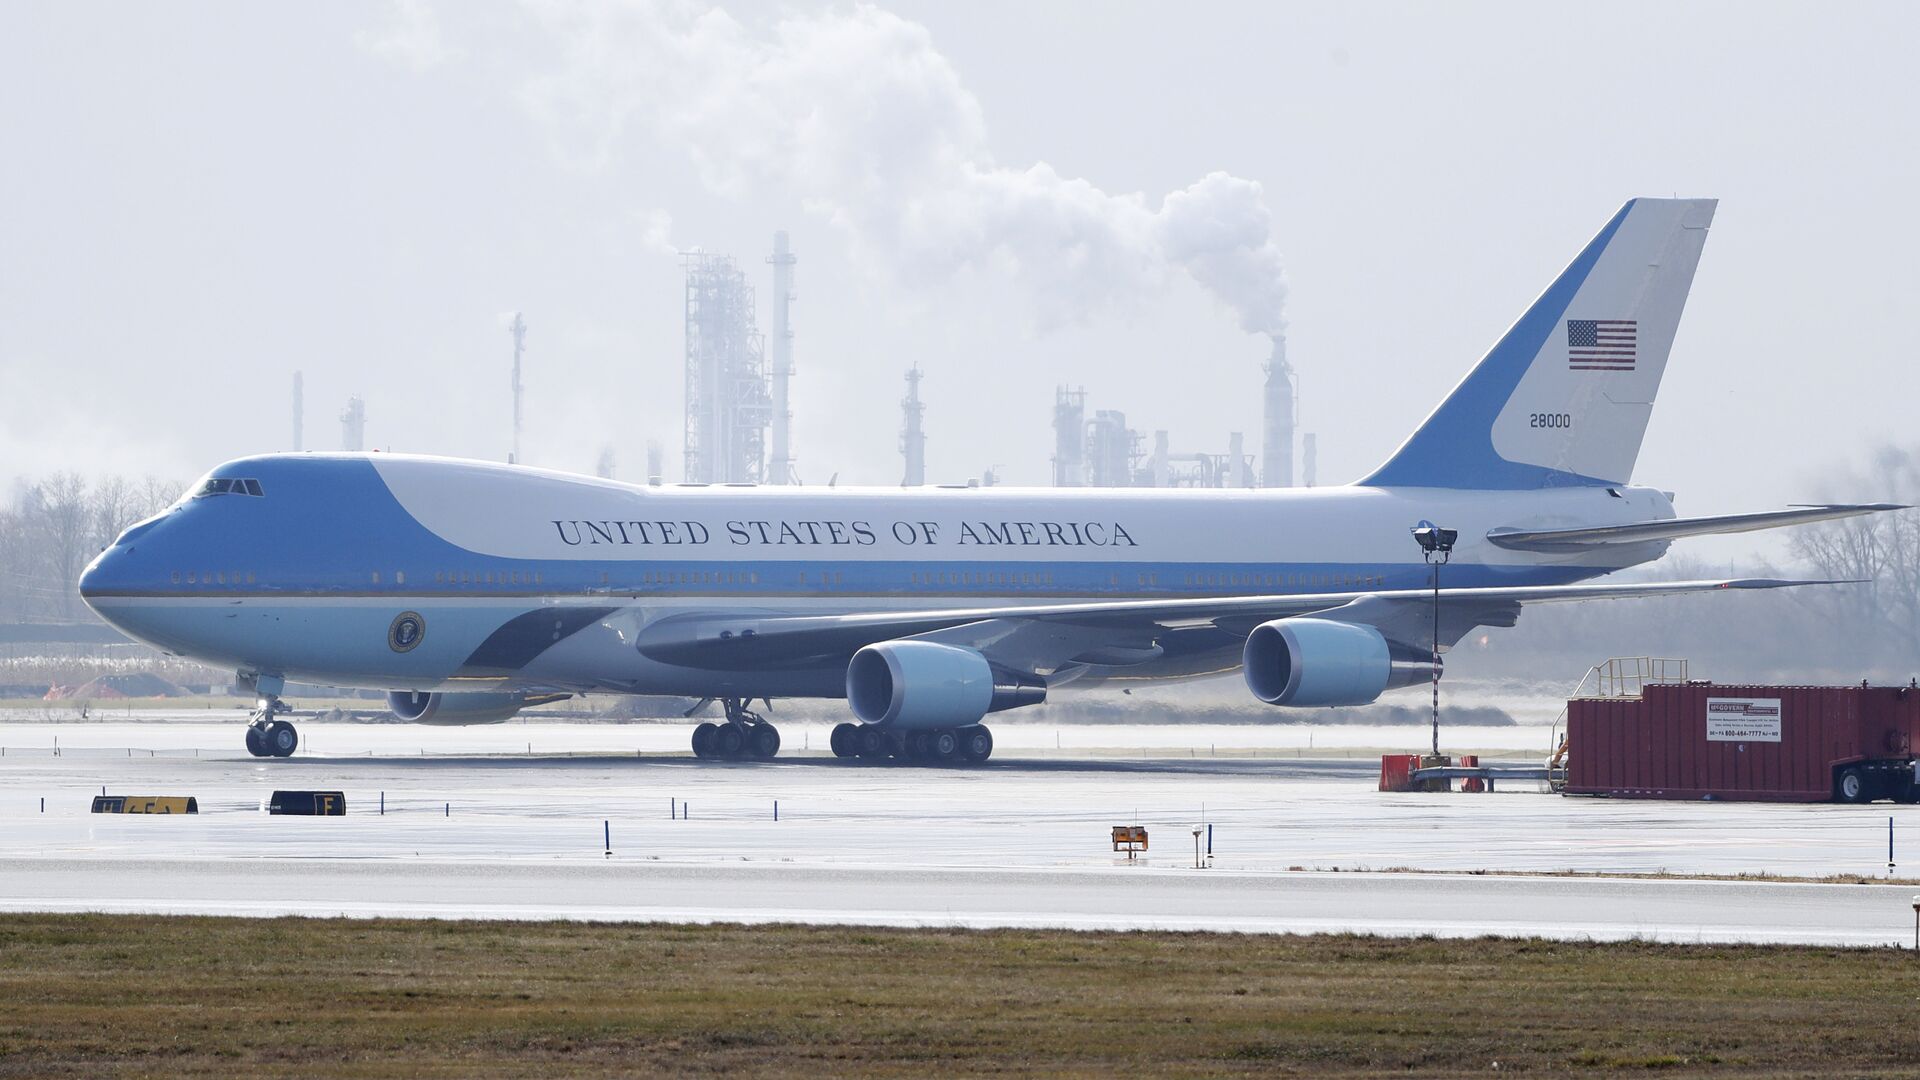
x: 469, y: 589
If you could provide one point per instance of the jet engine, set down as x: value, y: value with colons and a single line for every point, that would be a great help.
x: 466, y: 708
x: 924, y: 684
x: 1310, y: 662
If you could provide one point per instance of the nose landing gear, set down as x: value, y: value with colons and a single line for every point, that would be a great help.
x: 745, y: 735
x: 268, y: 737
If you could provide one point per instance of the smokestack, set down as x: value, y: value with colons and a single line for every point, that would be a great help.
x: 519, y: 332
x: 1237, y: 461
x: 299, y: 410
x: 1276, y: 452
x: 913, y: 440
x: 604, y: 467
x: 780, y: 469
x: 353, y: 424
x: 1309, y: 457
x: 1069, y: 437
x: 655, y: 472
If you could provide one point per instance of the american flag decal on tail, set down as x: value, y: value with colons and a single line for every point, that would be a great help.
x: 1602, y: 344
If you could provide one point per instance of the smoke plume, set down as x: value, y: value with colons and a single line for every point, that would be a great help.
x: 858, y: 112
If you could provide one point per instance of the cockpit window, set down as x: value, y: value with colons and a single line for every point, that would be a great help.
x: 220, y: 485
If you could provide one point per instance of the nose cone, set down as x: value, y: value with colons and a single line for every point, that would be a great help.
x: 104, y: 576
x: 117, y: 571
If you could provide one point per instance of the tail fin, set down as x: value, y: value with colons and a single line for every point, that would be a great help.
x: 1564, y: 397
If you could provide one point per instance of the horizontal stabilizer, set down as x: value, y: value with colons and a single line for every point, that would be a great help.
x: 1641, y: 532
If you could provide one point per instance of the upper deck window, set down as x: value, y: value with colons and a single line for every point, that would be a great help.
x: 220, y: 485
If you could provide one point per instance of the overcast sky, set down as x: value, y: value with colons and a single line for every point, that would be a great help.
x: 199, y: 199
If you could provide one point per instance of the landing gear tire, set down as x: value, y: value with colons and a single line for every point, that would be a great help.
x: 870, y: 741
x: 280, y: 739
x: 728, y: 741
x: 976, y: 743
x: 763, y: 740
x: 945, y: 745
x: 1852, y: 786
x: 918, y: 745
x: 844, y: 741
x: 703, y: 739
x: 256, y: 741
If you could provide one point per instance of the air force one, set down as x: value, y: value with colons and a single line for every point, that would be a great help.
x: 471, y: 590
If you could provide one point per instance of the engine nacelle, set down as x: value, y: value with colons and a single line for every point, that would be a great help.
x: 453, y: 709
x: 1311, y: 662
x: 924, y: 684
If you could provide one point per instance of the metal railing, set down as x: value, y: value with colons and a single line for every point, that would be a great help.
x: 1617, y: 677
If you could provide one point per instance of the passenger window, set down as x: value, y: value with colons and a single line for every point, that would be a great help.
x: 399, y: 577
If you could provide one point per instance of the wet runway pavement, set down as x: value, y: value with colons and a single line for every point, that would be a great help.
x: 1022, y: 842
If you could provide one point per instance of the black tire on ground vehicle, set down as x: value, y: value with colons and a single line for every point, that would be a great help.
x: 844, y: 740
x: 280, y: 739
x: 945, y: 745
x: 976, y: 743
x: 764, y: 741
x: 1852, y: 786
x: 728, y: 741
x: 703, y: 739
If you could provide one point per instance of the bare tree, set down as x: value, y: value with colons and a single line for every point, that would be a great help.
x: 1881, y: 616
x: 51, y: 529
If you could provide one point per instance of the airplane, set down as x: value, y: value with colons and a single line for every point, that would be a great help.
x: 471, y: 590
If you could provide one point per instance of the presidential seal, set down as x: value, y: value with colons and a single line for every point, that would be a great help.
x: 407, y: 630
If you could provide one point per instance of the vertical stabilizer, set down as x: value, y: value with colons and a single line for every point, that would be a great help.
x: 1564, y: 397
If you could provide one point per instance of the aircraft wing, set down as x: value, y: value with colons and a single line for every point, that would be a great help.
x: 1640, y: 532
x: 1044, y: 636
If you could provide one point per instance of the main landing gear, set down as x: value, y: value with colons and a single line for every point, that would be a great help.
x: 744, y: 735
x: 967, y: 745
x: 268, y: 737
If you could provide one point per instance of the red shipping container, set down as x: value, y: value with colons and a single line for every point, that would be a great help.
x: 1757, y: 743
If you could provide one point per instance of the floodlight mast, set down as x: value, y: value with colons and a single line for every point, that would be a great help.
x: 1436, y: 546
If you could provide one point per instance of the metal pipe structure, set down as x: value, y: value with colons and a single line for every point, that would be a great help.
x: 780, y: 469
x: 1069, y: 437
x: 728, y: 408
x: 353, y: 424
x: 1276, y: 451
x: 913, y: 438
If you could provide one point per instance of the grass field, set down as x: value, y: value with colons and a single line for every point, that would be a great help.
x: 92, y: 995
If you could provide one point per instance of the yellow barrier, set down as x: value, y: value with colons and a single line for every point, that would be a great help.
x: 145, y: 804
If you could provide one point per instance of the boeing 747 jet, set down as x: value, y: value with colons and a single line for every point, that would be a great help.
x: 471, y: 590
